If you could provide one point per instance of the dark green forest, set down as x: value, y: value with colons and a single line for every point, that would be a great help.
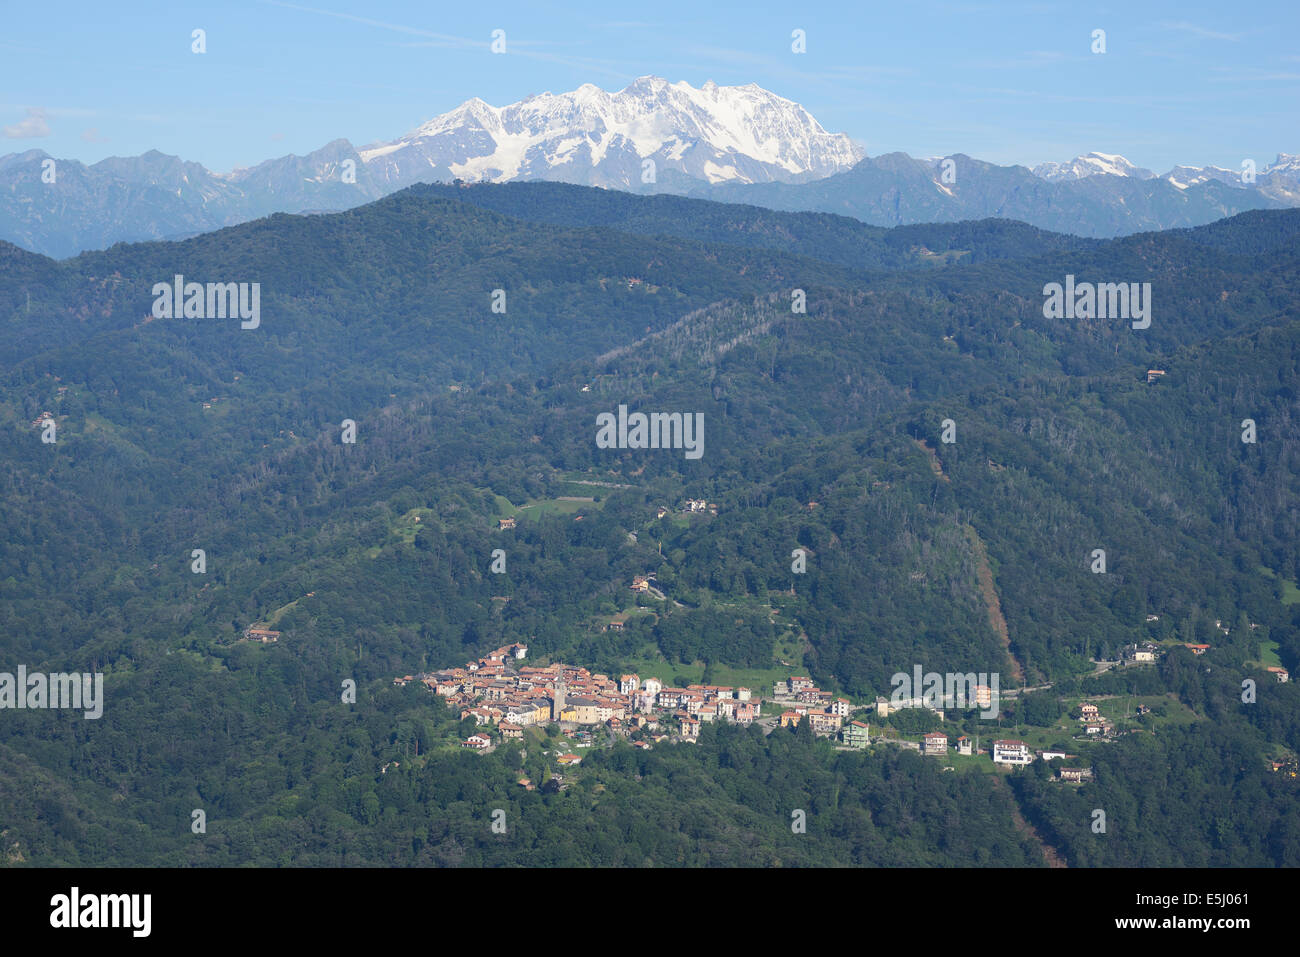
x: 825, y: 431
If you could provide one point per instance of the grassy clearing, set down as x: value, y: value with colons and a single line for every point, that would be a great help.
x: 554, y: 506
x: 1268, y: 655
x: 579, y: 500
x: 1290, y: 592
x: 758, y: 680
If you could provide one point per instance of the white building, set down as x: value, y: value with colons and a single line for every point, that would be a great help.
x: 1011, y: 752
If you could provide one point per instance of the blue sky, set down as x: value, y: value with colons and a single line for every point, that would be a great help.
x: 1008, y: 82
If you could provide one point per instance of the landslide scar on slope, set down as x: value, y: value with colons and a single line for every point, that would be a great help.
x: 983, y: 570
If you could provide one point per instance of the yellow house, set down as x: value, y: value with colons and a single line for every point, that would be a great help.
x: 587, y: 712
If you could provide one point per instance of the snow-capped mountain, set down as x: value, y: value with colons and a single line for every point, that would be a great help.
x: 1283, y: 174
x: 714, y: 134
x: 1094, y: 164
x: 1185, y: 176
x: 1286, y: 168
x: 727, y: 143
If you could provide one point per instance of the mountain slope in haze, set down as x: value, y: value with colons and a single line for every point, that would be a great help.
x: 1279, y: 180
x: 830, y: 238
x: 738, y: 144
x: 155, y: 196
x: 895, y: 189
x: 589, y: 136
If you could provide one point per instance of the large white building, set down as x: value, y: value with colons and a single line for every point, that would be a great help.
x: 1011, y: 752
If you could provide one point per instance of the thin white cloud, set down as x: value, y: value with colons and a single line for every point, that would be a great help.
x: 864, y: 72
x: 430, y: 38
x: 443, y: 38
x: 1028, y: 60
x: 1136, y: 99
x: 82, y: 112
x: 30, y: 127
x: 1247, y: 74
x: 1205, y: 34
x: 1256, y: 77
x: 520, y: 48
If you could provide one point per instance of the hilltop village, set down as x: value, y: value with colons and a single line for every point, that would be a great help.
x: 497, y: 691
x: 504, y: 697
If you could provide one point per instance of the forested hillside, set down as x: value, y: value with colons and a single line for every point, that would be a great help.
x: 947, y: 459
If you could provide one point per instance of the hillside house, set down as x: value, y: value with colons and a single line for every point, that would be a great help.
x: 823, y: 722
x: 855, y: 734
x: 936, y: 742
x: 1011, y: 752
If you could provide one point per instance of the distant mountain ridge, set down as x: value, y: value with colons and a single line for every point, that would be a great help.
x: 731, y: 143
x: 1282, y: 173
x: 896, y: 190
